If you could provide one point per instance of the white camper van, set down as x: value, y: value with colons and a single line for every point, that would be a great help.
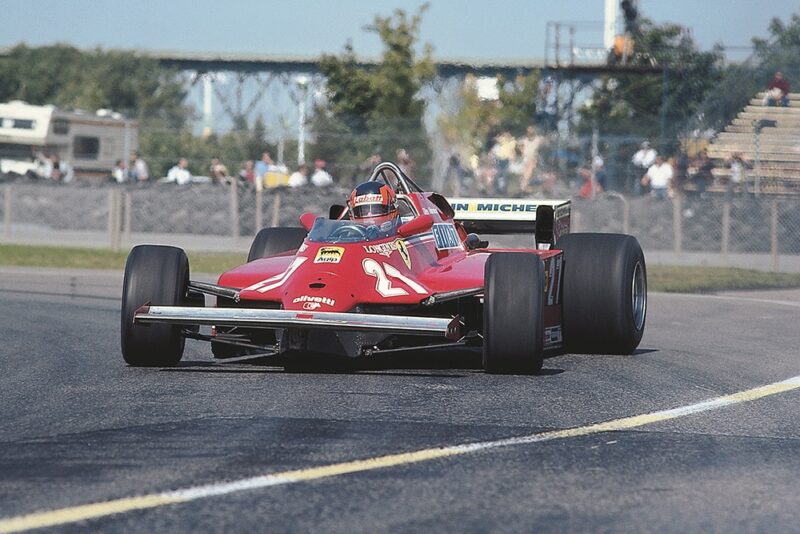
x: 90, y: 143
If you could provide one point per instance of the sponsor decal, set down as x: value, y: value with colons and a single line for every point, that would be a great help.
x: 562, y: 211
x: 384, y: 249
x: 552, y: 336
x: 329, y: 255
x: 403, y: 251
x: 368, y: 199
x: 446, y: 236
x: 312, y: 303
x: 496, y: 207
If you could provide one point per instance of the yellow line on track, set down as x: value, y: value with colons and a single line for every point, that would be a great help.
x: 84, y: 512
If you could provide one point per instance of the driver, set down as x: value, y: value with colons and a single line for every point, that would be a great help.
x: 373, y: 203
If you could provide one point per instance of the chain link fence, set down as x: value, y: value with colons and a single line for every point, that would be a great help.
x: 745, y: 231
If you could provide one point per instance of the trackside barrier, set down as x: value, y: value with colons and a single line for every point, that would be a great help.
x: 739, y: 230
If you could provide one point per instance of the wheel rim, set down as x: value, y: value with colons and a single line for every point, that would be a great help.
x: 638, y: 296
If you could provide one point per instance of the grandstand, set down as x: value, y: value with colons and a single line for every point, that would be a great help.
x: 772, y: 148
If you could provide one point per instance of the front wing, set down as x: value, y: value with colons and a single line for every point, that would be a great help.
x: 271, y: 319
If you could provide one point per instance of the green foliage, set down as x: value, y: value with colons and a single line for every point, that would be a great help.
x: 475, y: 119
x: 635, y: 104
x: 377, y: 109
x: 741, y: 82
x: 122, y: 81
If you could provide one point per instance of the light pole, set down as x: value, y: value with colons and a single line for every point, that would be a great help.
x: 302, y: 84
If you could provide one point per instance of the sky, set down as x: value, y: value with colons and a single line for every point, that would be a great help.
x: 500, y: 29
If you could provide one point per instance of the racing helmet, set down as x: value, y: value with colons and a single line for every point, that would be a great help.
x: 372, y: 203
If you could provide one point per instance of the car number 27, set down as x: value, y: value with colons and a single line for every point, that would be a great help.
x: 385, y: 274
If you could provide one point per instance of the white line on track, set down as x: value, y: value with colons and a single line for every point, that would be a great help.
x: 791, y: 303
x: 84, y: 512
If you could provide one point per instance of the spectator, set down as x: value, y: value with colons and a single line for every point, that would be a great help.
x: 264, y: 165
x: 321, y: 178
x: 248, y: 173
x: 642, y: 160
x: 120, y: 172
x: 138, y: 171
x: 299, y: 178
x: 681, y: 175
x: 599, y: 172
x: 456, y: 174
x: 594, y: 178
x: 405, y: 162
x: 778, y: 91
x: 61, y: 170
x: 529, y: 146
x: 702, y: 176
x: 504, y: 152
x: 658, y: 178
x: 44, y: 165
x: 738, y: 165
x: 180, y: 174
x: 218, y: 172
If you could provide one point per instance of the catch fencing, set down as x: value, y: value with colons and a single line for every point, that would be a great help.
x: 745, y: 231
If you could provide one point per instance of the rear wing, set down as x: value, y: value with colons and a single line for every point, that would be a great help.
x: 547, y: 219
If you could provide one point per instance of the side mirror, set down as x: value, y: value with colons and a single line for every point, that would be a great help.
x: 420, y: 224
x: 473, y: 242
x: 307, y: 220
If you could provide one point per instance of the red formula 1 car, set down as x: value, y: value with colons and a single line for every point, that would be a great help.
x: 337, y: 287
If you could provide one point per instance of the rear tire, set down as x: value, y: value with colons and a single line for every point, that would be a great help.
x: 604, y: 293
x: 158, y: 275
x: 271, y: 241
x: 513, y: 305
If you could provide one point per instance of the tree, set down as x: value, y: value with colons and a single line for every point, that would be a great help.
x: 377, y: 109
x: 741, y: 82
x: 514, y: 110
x: 652, y: 105
x: 69, y: 78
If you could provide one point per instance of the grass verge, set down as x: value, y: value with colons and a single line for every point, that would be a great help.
x: 659, y: 277
x: 84, y: 258
x: 684, y: 279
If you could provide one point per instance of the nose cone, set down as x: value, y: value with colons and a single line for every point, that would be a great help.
x: 324, y: 291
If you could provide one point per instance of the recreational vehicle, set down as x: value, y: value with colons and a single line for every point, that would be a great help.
x: 90, y: 143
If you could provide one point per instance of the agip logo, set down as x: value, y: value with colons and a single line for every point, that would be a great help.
x: 329, y: 255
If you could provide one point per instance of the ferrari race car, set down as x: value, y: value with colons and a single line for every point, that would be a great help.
x: 338, y: 288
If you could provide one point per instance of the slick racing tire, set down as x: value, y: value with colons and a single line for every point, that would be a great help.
x: 513, y: 305
x: 604, y: 293
x: 271, y: 241
x: 158, y: 275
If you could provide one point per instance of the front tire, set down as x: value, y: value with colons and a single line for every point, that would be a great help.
x: 158, y: 275
x: 604, y: 293
x: 271, y: 241
x: 513, y: 305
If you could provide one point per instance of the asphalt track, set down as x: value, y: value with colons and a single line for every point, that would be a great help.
x: 378, y: 450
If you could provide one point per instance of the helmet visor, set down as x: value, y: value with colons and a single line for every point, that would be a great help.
x: 370, y: 210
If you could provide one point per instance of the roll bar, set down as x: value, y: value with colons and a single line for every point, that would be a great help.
x: 404, y: 184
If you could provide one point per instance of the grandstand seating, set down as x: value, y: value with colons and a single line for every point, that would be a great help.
x: 779, y: 146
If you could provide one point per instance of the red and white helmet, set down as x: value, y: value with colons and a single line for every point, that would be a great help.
x: 372, y: 203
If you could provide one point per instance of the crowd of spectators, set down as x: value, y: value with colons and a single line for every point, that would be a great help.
x: 664, y: 177
x: 505, y: 165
